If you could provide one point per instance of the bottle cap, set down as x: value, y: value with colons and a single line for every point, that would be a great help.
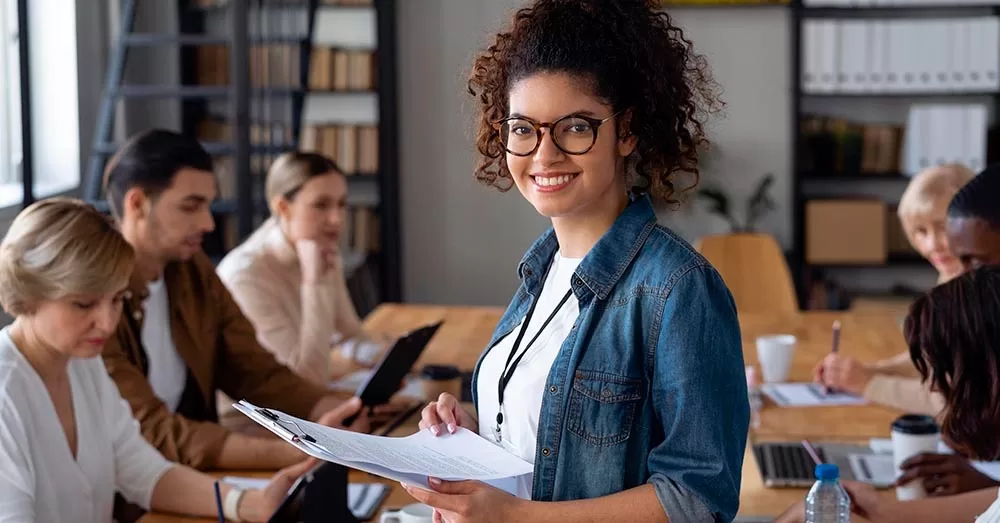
x: 827, y: 472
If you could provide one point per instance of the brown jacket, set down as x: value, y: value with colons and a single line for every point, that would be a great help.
x: 220, y: 349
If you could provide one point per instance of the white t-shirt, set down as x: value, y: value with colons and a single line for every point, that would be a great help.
x: 167, y: 372
x: 39, y: 478
x: 992, y: 514
x: 523, y: 395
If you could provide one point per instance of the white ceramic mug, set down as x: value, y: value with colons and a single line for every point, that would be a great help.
x: 912, y: 434
x: 415, y: 513
x: 774, y: 354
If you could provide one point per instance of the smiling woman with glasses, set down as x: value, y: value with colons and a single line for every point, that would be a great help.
x: 617, y: 369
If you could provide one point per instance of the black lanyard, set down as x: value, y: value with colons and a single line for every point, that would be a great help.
x: 507, y: 374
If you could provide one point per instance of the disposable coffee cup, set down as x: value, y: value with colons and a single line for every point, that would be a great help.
x: 775, y: 353
x: 415, y: 513
x: 912, y: 434
x: 438, y: 379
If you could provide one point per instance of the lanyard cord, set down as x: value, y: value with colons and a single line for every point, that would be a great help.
x: 507, y: 374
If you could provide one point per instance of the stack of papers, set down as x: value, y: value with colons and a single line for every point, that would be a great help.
x: 362, y: 498
x: 807, y: 395
x: 412, y: 459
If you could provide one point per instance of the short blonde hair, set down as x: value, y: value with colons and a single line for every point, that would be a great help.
x: 59, y: 247
x: 291, y: 171
x: 933, y: 188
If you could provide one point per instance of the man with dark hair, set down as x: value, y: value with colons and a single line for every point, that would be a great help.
x: 182, y: 337
x: 974, y: 220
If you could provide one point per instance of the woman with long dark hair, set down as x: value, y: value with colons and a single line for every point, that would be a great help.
x: 954, y: 337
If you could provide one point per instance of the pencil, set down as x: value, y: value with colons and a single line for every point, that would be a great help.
x: 218, y: 503
x: 812, y: 452
x: 835, y: 347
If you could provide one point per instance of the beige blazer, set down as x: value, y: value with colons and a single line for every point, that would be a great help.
x: 898, y: 385
x: 296, y: 322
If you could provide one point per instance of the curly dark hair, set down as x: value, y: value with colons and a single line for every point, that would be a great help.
x: 954, y: 337
x: 633, y: 57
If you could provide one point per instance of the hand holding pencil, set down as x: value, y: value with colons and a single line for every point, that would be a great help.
x: 841, y: 373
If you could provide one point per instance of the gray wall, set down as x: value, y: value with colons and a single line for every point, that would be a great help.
x: 462, y: 241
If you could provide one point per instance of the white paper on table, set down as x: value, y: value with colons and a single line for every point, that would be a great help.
x: 877, y: 469
x: 361, y: 497
x: 352, y: 381
x: 411, y: 459
x: 807, y: 395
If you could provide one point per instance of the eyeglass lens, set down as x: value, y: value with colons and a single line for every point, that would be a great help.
x: 573, y: 135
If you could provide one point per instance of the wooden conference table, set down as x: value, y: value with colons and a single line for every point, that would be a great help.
x: 870, y: 336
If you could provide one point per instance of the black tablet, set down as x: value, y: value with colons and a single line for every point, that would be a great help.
x: 319, y: 496
x: 395, y: 364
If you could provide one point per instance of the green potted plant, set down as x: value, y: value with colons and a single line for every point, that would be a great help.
x: 758, y: 205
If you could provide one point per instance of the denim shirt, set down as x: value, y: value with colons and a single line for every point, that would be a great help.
x: 649, y: 385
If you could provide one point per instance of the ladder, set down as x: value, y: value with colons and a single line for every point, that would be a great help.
x: 240, y: 94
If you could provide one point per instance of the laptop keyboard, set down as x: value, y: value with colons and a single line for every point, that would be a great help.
x: 786, y: 461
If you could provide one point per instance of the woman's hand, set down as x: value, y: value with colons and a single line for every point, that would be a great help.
x: 447, y: 411
x: 352, y: 411
x: 467, y: 501
x: 318, y: 263
x: 843, y: 373
x: 259, y: 505
x: 865, y: 502
x: 944, y: 474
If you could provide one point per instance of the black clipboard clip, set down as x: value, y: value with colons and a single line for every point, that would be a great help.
x: 279, y: 423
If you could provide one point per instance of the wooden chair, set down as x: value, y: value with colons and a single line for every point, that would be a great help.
x: 755, y: 270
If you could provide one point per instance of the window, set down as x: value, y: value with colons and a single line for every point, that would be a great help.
x: 10, y: 97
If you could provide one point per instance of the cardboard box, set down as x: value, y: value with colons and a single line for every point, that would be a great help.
x: 846, y: 232
x: 897, y: 242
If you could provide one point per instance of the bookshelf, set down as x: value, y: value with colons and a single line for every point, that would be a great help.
x: 851, y: 141
x: 349, y: 114
x: 260, y: 78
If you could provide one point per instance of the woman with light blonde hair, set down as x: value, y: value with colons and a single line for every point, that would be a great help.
x: 894, y: 382
x: 68, y: 440
x: 288, y: 277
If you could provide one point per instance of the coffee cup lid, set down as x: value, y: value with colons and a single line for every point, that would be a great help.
x: 915, y: 424
x: 441, y: 372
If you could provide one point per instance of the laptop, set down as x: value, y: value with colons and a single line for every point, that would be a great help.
x: 785, y: 464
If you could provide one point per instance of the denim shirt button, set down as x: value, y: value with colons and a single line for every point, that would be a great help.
x: 546, y: 451
x: 553, y: 389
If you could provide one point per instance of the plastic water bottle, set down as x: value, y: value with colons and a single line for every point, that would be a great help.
x: 827, y: 501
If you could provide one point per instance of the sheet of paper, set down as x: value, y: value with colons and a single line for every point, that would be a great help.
x: 351, y: 382
x: 807, y: 395
x: 411, y: 459
x: 361, y: 497
x: 876, y: 469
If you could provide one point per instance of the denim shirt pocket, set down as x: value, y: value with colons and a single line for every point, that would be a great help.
x: 602, y: 407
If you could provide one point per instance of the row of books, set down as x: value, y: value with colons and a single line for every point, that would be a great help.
x: 353, y: 147
x: 901, y: 56
x: 837, y: 146
x: 271, y: 65
x: 361, y: 232
x: 342, y: 69
x: 277, y: 65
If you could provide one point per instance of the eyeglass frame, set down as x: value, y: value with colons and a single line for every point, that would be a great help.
x: 595, y: 123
